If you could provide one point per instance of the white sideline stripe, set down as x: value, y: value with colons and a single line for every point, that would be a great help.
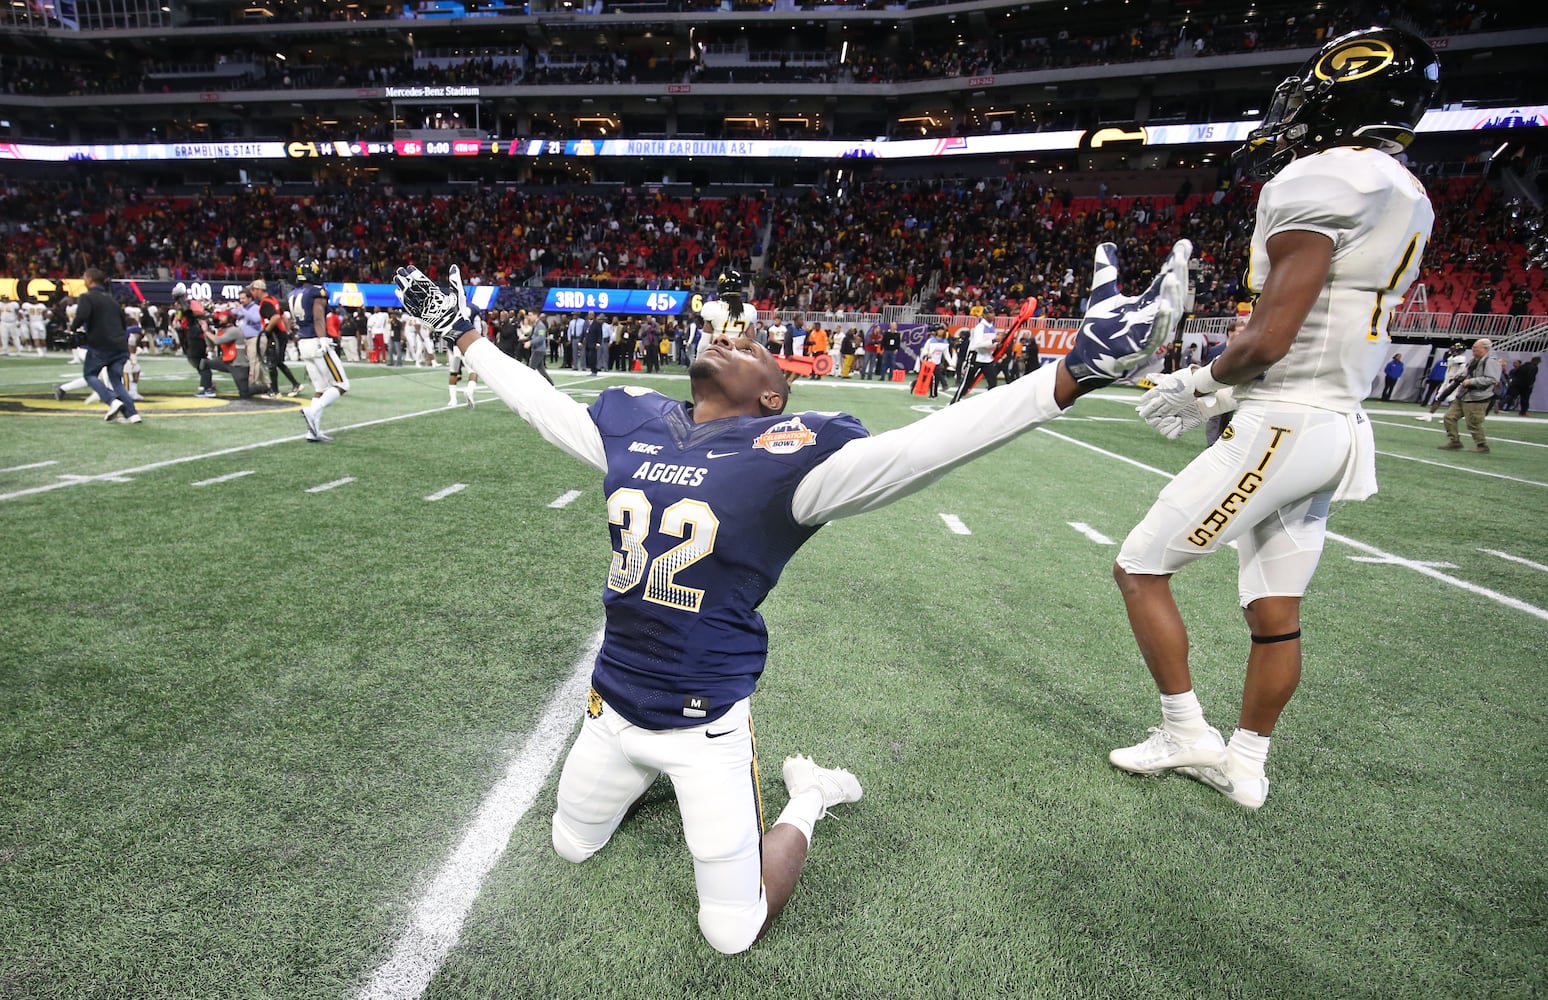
x: 1109, y: 454
x: 34, y: 465
x: 329, y: 486
x: 222, y: 479
x: 569, y: 497
x: 1417, y: 567
x: 1516, y: 559
x: 1423, y: 425
x: 955, y: 524
x: 1416, y: 562
x: 443, y: 494
x: 211, y: 454
x: 1459, y: 468
x: 436, y: 922
x: 70, y: 479
x: 1090, y: 532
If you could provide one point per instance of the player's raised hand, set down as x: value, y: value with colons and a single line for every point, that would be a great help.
x: 446, y: 312
x: 1120, y: 331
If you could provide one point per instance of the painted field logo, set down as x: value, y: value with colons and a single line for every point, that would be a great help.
x: 785, y: 438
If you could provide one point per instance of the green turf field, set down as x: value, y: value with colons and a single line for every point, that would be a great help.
x: 246, y: 723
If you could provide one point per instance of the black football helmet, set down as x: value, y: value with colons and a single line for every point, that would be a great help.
x: 309, y: 270
x: 1366, y: 88
x: 729, y: 283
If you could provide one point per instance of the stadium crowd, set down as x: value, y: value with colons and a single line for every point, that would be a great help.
x: 1020, y: 47
x: 944, y: 246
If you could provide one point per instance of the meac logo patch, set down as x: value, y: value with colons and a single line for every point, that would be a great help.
x: 786, y: 437
x: 1355, y: 61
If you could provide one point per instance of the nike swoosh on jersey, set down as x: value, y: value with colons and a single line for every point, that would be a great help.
x: 720, y: 454
x: 714, y: 736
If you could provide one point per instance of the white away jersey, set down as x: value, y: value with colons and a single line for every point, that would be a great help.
x: 717, y: 317
x: 1378, y: 216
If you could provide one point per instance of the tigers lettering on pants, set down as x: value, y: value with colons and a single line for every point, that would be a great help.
x: 1267, y: 487
x: 611, y: 765
x: 322, y: 364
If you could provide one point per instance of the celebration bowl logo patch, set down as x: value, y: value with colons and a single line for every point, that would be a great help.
x: 786, y: 437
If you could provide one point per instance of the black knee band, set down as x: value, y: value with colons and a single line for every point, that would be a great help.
x: 1277, y: 638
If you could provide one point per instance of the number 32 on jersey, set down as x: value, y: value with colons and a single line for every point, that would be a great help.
x: 688, y: 519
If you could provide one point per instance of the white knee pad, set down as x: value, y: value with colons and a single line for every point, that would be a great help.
x: 568, y: 847
x: 732, y: 931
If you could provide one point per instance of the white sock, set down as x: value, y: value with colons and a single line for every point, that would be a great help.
x: 1249, y: 745
x: 1182, y: 713
x: 469, y: 390
x: 451, y: 394
x: 324, y: 401
x: 803, y: 812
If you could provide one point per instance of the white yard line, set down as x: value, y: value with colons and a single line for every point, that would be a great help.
x: 436, y: 921
x: 224, y: 479
x: 1370, y: 550
x: 1434, y: 428
x: 325, y: 487
x: 166, y: 463
x: 1090, y: 532
x: 1435, y: 574
x: 955, y: 524
x: 448, y: 491
x: 567, y: 498
x: 1460, y: 468
x: 1516, y: 559
x: 34, y: 465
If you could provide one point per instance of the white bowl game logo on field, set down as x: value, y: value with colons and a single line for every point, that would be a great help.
x: 785, y: 438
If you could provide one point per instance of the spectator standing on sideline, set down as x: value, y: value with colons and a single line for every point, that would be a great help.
x: 537, y: 351
x: 1391, y: 373
x: 591, y: 341
x: 890, y: 342
x: 981, y: 345
x: 934, y: 351
x: 1434, y: 379
x: 1522, y: 381
x: 100, y: 319
x: 1472, y: 398
x: 276, y: 339
x: 1456, y: 370
x: 1215, y: 425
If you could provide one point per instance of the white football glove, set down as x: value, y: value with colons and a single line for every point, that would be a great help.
x: 1173, y: 409
x: 447, y: 314
x: 1120, y: 331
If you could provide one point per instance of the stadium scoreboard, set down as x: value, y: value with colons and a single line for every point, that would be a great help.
x: 626, y: 301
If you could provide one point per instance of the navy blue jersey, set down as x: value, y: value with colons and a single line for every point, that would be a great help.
x: 702, y: 529
x: 300, y: 304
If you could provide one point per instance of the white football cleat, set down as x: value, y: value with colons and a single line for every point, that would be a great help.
x: 314, y: 432
x: 1234, y: 778
x: 1164, y: 750
x: 834, y: 784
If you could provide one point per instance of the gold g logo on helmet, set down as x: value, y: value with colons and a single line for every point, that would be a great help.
x: 1355, y: 61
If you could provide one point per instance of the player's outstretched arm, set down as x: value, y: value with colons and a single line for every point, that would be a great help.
x: 1117, y: 333
x: 563, y: 422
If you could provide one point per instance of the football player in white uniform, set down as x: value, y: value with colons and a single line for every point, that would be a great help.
x: 37, y: 325
x: 10, y: 326
x: 1341, y: 226
x: 727, y: 315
